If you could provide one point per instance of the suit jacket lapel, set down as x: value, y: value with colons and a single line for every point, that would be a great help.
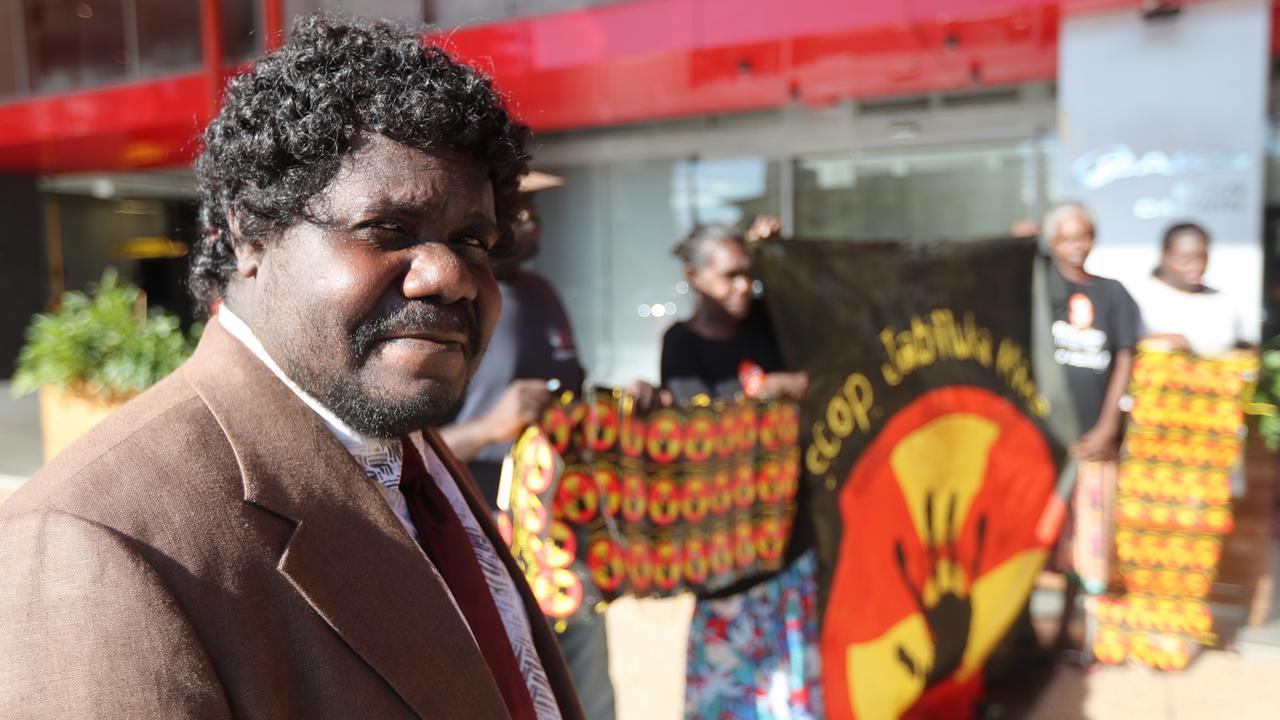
x: 349, y: 557
x: 544, y: 639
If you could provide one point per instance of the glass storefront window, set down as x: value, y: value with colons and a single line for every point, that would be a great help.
x: 607, y: 241
x: 1271, y: 234
x: 942, y: 193
x: 10, y: 27
x: 73, y: 43
x: 730, y: 191
x: 98, y: 233
x: 239, y: 29
x: 606, y: 247
x: 169, y: 33
x: 10, y: 41
x: 608, y: 233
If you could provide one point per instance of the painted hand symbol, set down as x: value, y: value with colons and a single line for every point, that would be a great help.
x: 950, y: 615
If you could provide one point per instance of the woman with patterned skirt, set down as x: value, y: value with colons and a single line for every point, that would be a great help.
x: 752, y: 646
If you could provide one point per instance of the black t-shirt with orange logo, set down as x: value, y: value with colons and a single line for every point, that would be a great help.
x: 694, y: 365
x: 1092, y: 323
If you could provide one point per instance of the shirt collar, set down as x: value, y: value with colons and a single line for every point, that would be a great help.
x: 381, y: 458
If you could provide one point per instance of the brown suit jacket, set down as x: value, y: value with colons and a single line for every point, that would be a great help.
x: 212, y: 551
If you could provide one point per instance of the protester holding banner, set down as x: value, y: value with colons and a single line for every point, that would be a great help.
x: 752, y: 646
x: 1094, y: 334
x: 1178, y: 311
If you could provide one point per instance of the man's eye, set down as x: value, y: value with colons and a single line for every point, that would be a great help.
x: 475, y: 241
x: 380, y: 225
x: 383, y: 232
x: 387, y: 225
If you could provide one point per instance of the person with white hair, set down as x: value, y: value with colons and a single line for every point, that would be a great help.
x: 1094, y: 334
x: 1095, y: 331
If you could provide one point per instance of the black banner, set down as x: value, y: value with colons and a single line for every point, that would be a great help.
x: 931, y: 482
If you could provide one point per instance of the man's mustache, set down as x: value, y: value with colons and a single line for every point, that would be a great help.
x: 419, y: 317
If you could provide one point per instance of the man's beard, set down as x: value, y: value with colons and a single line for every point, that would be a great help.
x: 383, y: 417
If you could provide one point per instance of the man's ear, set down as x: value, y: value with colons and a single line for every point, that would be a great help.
x: 248, y: 253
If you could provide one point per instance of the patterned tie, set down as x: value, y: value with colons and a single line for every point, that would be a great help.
x: 445, y: 541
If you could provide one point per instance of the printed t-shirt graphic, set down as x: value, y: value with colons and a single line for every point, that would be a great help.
x: 1098, y: 320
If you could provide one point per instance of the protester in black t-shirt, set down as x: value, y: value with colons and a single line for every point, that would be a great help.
x: 747, y: 639
x: 730, y: 337
x: 1095, y: 331
x: 693, y: 364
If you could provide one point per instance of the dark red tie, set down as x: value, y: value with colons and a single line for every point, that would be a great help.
x: 445, y: 541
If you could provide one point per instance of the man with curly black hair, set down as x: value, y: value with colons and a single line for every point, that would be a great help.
x: 276, y: 530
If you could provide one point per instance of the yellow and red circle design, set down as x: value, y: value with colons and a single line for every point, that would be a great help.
x: 557, y: 425
x: 562, y: 548
x: 721, y: 490
x: 695, y: 497
x: 607, y: 563
x: 744, y: 484
x: 610, y: 488
x: 577, y: 498
x: 603, y: 425
x: 664, y: 500
x: 639, y: 563
x: 744, y: 544
x: 558, y: 590
x: 938, y: 552
x: 536, y: 459
x: 727, y: 436
x: 700, y: 436
x: 668, y: 565
x: 631, y: 440
x: 696, y: 560
x: 721, y: 551
x: 769, y: 481
x: 665, y: 438
x: 768, y: 436
x: 771, y: 539
x: 747, y: 426
x: 635, y: 497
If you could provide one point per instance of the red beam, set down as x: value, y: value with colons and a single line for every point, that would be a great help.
x: 147, y: 124
x: 634, y: 62
x: 609, y: 64
x: 211, y: 52
x: 273, y: 23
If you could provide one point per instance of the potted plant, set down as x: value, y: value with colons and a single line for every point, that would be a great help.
x: 93, y: 353
x: 1266, y: 396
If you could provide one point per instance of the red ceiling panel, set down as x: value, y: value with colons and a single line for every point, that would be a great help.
x: 619, y: 63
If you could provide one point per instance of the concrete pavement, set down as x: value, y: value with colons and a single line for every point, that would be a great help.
x: 647, y: 649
